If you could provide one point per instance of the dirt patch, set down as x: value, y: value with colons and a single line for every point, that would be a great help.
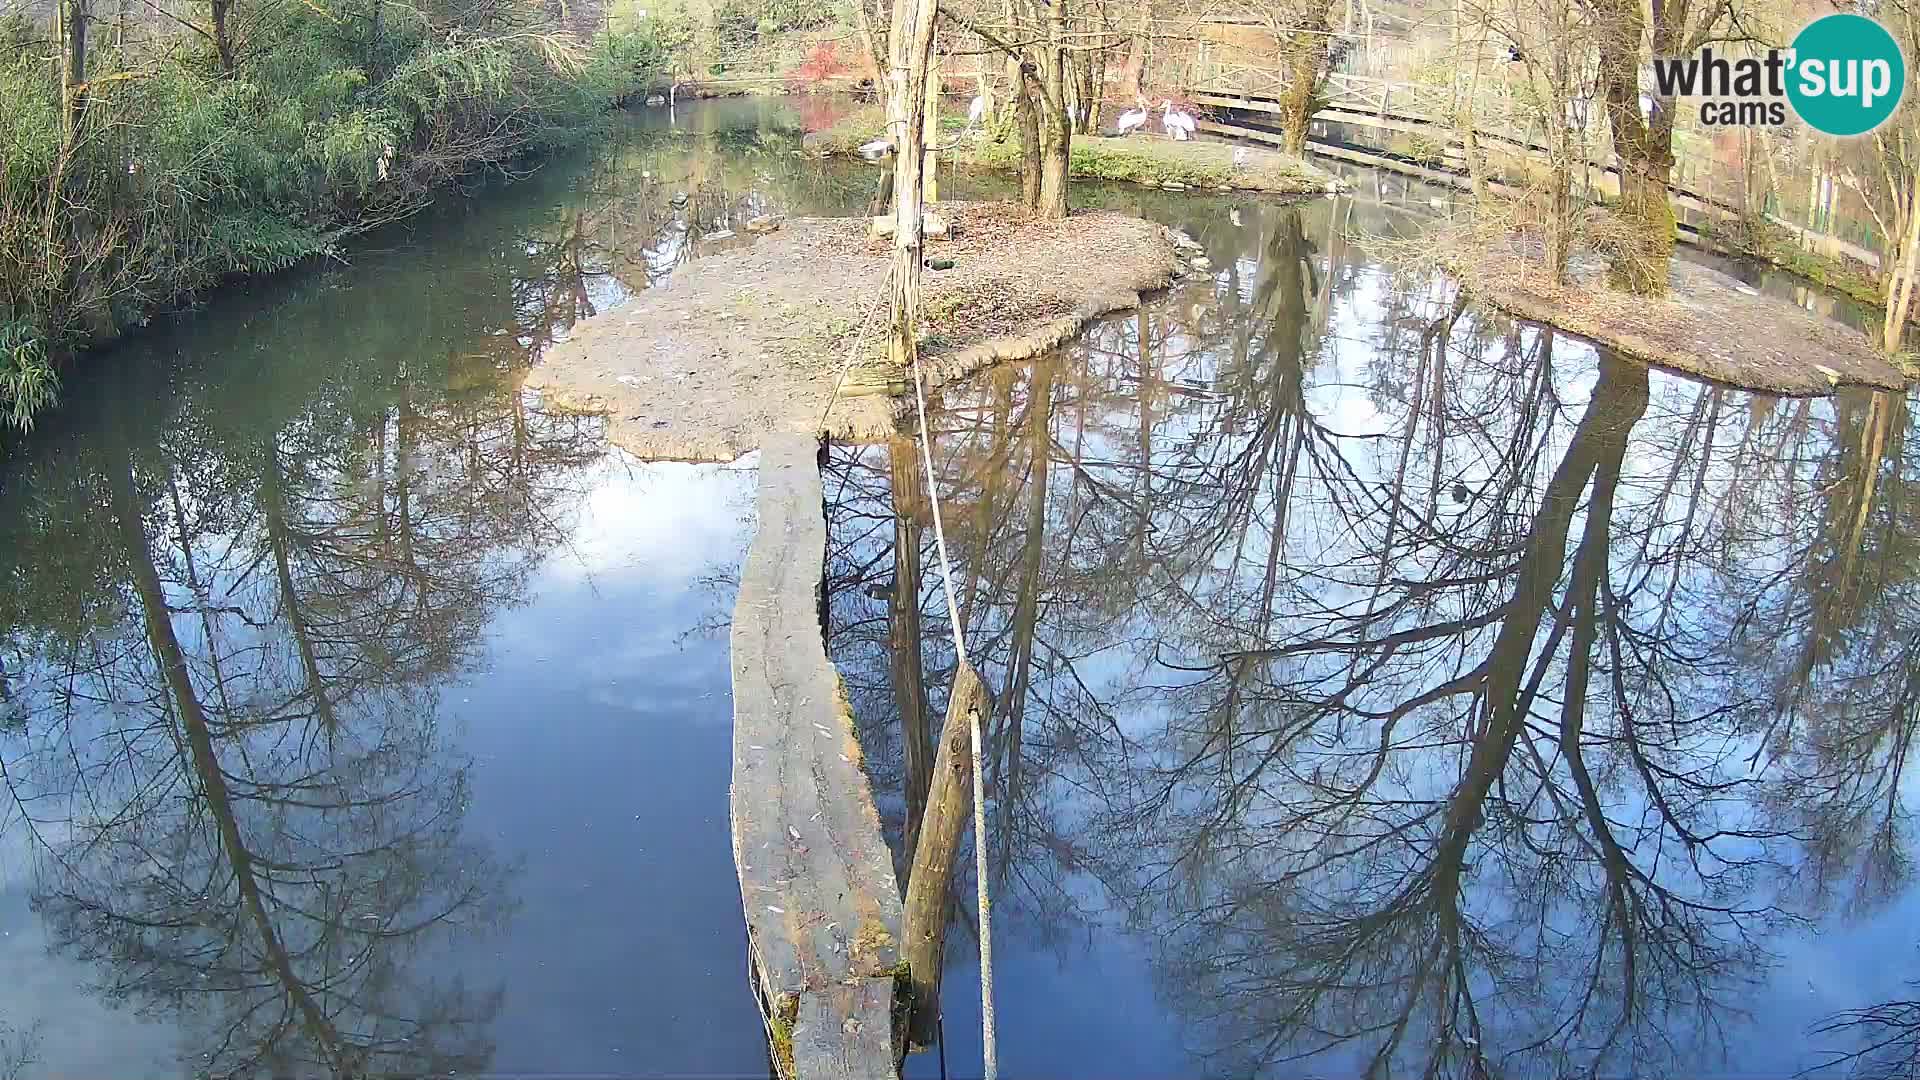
x: 751, y: 341
x: 1708, y: 324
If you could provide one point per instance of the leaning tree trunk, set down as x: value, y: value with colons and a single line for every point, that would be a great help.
x: 930, y: 879
x: 868, y: 42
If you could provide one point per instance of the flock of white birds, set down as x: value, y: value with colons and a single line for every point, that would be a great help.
x: 1178, y: 123
x: 1175, y: 122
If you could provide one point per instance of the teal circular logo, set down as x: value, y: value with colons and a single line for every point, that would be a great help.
x: 1846, y: 74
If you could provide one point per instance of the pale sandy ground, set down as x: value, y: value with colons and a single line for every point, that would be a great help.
x: 752, y: 341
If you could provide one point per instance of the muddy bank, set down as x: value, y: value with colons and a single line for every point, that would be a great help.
x: 751, y: 341
x: 1146, y: 158
x: 1708, y: 324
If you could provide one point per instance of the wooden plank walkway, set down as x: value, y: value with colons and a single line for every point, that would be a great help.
x: 1456, y: 179
x: 822, y: 905
x: 1406, y: 123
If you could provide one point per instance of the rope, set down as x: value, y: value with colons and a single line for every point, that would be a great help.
x: 992, y: 1065
x: 991, y: 1054
x: 853, y: 354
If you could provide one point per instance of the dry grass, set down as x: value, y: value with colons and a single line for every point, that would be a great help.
x: 1707, y: 324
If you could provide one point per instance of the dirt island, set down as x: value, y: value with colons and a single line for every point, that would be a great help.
x: 755, y: 340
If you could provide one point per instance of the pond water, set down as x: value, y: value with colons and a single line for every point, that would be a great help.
x: 1391, y: 688
x: 358, y: 714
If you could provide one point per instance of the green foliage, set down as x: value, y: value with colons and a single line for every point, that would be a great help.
x: 1761, y: 239
x: 180, y: 174
x: 1103, y: 163
x: 862, y: 125
x: 27, y: 380
x: 739, y: 23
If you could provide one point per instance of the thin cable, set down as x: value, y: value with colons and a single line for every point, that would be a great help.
x: 991, y: 1062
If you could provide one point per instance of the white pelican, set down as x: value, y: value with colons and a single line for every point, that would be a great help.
x: 1132, y: 120
x: 1176, y: 123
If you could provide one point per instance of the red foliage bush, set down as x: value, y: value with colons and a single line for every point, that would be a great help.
x: 821, y: 64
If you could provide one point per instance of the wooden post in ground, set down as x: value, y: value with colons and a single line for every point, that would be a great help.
x: 930, y: 878
x: 930, y: 176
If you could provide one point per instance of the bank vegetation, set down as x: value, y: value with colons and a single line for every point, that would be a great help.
x: 143, y: 159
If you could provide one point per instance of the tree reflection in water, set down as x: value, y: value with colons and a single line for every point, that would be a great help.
x: 1438, y: 697
x: 228, y: 631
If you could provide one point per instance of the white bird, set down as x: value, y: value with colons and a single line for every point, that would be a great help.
x: 1176, y: 123
x: 977, y: 111
x: 875, y: 150
x: 1242, y: 157
x: 1132, y: 120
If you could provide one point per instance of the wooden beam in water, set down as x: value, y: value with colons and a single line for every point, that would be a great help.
x: 816, y: 878
x: 929, y: 883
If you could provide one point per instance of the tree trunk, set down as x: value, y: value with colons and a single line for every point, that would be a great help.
x: 869, y: 42
x: 913, y: 29
x: 1640, y: 263
x: 1643, y: 148
x: 223, y: 39
x: 1304, y: 61
x: 1133, y: 68
x: 1056, y: 150
x: 74, y: 16
x: 1893, y: 331
x: 1026, y: 115
x: 1056, y: 122
x: 376, y: 30
x: 930, y: 879
x: 1560, y: 148
x: 930, y: 175
x: 1088, y: 71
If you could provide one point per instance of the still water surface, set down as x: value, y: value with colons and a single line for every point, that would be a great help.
x: 1393, y: 688
x: 363, y: 715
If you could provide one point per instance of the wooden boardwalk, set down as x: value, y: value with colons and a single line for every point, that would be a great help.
x: 1413, y: 109
x: 822, y: 904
